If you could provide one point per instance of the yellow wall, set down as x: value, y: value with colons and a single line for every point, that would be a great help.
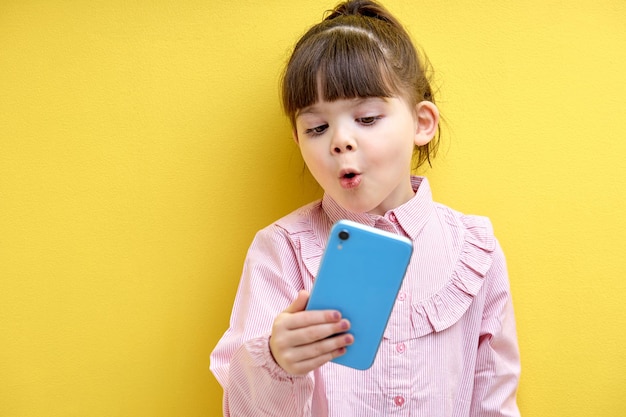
x: 142, y: 145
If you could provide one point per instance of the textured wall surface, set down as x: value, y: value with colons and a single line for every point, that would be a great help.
x: 142, y: 146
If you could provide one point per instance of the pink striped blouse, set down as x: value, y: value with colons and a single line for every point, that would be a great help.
x: 450, y: 348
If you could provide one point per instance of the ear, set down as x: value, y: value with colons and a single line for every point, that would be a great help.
x: 426, y: 120
x: 294, y: 135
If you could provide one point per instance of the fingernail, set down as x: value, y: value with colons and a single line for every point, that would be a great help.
x: 349, y: 339
x: 344, y: 324
x: 336, y: 315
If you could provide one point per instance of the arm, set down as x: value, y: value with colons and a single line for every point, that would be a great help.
x: 497, y: 361
x: 254, y: 385
x: 243, y: 363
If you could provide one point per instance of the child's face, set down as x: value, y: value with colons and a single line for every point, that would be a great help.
x: 360, y: 150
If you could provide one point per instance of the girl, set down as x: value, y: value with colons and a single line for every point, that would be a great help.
x: 362, y: 112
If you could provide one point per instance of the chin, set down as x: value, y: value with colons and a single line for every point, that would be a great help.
x: 359, y: 207
x: 356, y: 201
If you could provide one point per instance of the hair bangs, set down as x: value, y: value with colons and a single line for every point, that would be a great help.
x: 353, y: 66
x: 350, y: 64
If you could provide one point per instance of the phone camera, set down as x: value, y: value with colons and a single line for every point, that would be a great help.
x: 344, y: 235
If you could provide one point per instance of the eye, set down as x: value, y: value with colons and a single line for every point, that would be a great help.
x: 369, y: 120
x: 317, y: 130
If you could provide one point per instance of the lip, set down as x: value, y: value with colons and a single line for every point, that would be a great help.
x: 349, y: 178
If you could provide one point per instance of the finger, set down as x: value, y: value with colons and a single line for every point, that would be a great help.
x: 299, y: 303
x: 308, y: 318
x: 318, y: 332
x: 315, y: 355
x: 287, y: 342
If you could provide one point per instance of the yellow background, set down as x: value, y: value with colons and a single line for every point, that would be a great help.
x: 142, y: 146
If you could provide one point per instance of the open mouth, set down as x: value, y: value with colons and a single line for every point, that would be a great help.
x: 348, y: 174
x: 350, y: 179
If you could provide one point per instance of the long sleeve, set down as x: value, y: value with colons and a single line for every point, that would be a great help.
x: 497, y: 363
x: 254, y: 385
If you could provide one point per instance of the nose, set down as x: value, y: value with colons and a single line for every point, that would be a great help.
x: 343, y: 141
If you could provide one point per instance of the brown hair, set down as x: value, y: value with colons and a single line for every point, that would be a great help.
x: 358, y: 50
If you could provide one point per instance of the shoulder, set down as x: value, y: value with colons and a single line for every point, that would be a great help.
x: 288, y: 228
x: 295, y: 239
x: 474, y: 253
x: 480, y: 252
x: 471, y: 228
x: 301, y: 219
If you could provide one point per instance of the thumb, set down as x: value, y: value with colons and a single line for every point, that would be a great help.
x: 299, y: 303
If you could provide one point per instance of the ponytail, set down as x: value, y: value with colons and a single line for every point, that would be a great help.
x: 364, y: 8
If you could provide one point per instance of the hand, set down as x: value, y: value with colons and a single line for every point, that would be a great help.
x: 300, y: 340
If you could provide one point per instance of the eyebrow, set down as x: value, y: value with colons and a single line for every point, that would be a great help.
x: 357, y: 102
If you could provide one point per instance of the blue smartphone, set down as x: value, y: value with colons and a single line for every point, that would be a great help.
x: 360, y: 275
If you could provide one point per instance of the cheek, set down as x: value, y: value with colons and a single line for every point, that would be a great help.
x: 313, y: 158
x: 397, y: 146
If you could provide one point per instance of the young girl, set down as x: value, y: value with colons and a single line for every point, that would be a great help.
x: 362, y: 112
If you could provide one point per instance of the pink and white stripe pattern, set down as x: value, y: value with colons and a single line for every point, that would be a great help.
x: 450, y: 348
